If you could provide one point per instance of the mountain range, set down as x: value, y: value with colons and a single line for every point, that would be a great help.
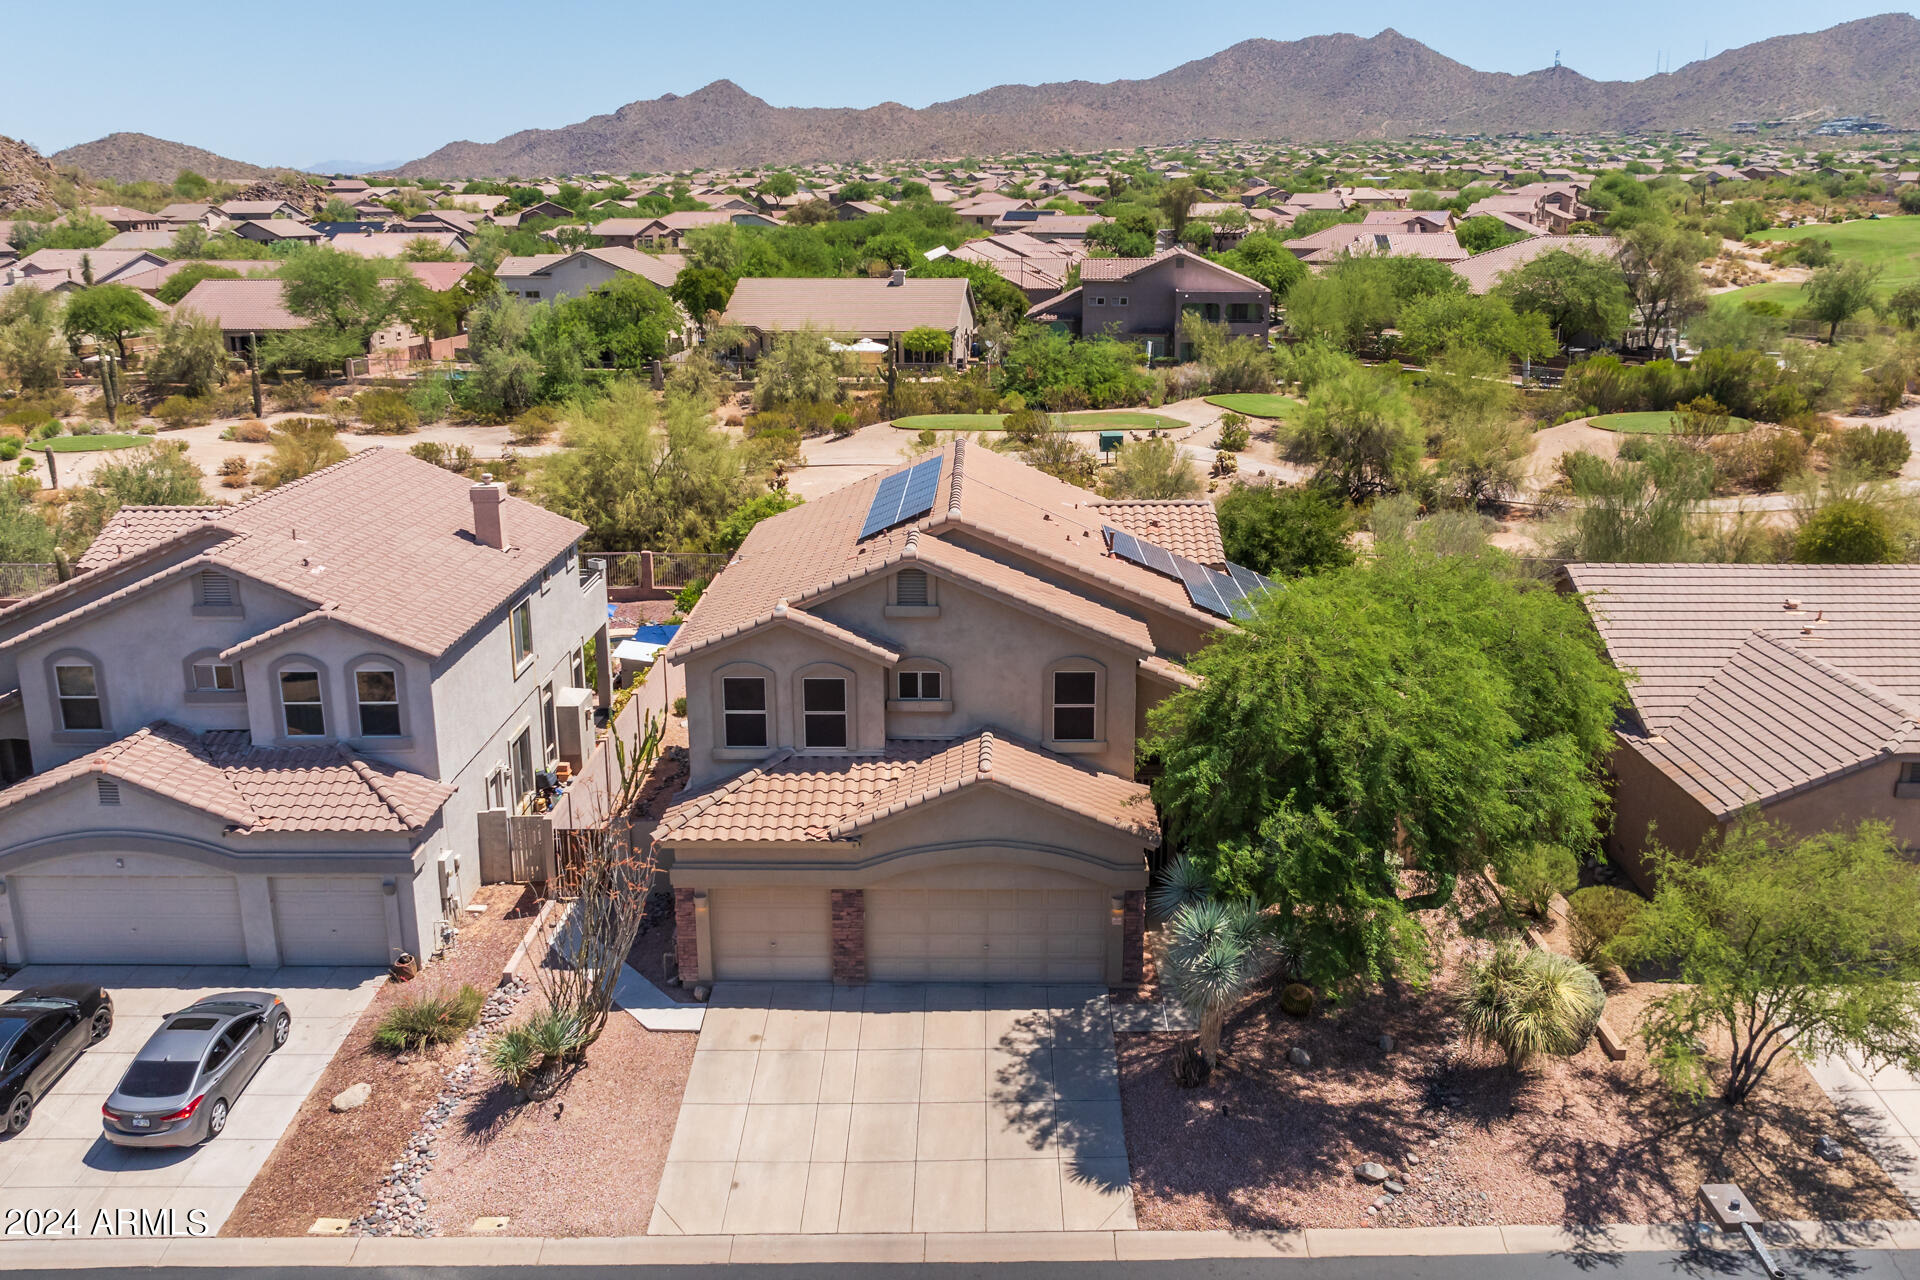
x: 1325, y: 87
x: 141, y: 157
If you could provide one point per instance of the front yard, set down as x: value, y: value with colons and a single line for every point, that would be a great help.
x: 1269, y: 1145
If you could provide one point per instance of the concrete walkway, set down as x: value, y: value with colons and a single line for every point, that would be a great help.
x: 1884, y: 1109
x: 899, y: 1108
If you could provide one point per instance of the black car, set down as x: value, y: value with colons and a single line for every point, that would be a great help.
x: 43, y: 1031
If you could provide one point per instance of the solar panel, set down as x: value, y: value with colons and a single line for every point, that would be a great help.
x: 904, y: 495
x: 1250, y: 580
x: 1201, y: 589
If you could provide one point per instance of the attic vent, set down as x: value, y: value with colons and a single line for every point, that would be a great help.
x: 910, y: 586
x: 216, y: 589
x: 109, y: 790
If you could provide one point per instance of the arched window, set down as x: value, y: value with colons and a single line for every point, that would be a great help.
x: 77, y: 685
x: 303, y: 712
x: 825, y: 714
x: 376, y: 692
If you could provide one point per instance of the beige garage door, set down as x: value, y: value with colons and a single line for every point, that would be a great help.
x: 771, y: 933
x: 330, y: 919
x: 77, y: 919
x: 1052, y: 934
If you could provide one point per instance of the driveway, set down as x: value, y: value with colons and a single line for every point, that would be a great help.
x: 897, y: 1108
x: 1883, y: 1108
x: 62, y: 1164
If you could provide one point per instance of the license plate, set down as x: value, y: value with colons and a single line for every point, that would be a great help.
x: 139, y: 1122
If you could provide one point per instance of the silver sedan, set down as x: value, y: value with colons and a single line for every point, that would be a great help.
x: 182, y: 1084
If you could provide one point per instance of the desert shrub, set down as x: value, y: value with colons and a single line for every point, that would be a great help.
x: 231, y: 402
x: 1536, y: 874
x: 1878, y: 451
x: 233, y: 471
x: 534, y: 425
x: 1235, y: 434
x: 425, y: 1020
x: 689, y: 595
x: 1025, y: 426
x: 1761, y: 459
x: 1598, y: 917
x: 10, y: 447
x: 385, y: 412
x: 1527, y: 1003
x: 292, y: 396
x: 531, y: 1055
x: 1296, y: 999
x: 178, y: 412
x: 1847, y: 531
x: 457, y: 458
x: 1184, y: 382
x: 432, y: 397
x: 252, y: 431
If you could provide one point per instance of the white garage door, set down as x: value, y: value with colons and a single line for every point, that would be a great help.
x: 1053, y: 934
x: 330, y: 919
x: 75, y: 919
x: 771, y: 933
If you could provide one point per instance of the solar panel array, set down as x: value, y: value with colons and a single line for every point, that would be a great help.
x: 904, y: 495
x: 1225, y: 595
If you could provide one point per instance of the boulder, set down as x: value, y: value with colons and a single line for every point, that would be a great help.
x: 1827, y: 1149
x: 701, y: 992
x: 1386, y: 1043
x: 1299, y: 1057
x: 1370, y: 1172
x: 354, y: 1095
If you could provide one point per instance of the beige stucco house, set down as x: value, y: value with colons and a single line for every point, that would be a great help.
x: 1787, y: 691
x: 913, y: 707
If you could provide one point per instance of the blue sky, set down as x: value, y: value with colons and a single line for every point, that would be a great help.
x: 298, y: 84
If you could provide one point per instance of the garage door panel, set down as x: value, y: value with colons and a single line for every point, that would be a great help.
x: 331, y: 920
x: 74, y: 919
x: 782, y: 933
x: 993, y: 935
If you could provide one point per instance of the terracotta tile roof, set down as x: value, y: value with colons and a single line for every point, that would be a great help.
x: 1186, y: 528
x: 242, y: 306
x: 815, y: 798
x: 1170, y: 671
x: 321, y: 788
x: 1483, y: 270
x: 848, y: 306
x: 133, y: 530
x: 382, y: 542
x: 439, y: 276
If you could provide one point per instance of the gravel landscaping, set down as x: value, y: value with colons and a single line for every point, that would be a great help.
x: 1270, y: 1145
x: 331, y: 1165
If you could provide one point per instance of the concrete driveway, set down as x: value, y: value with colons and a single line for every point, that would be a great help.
x: 62, y: 1164
x: 899, y: 1108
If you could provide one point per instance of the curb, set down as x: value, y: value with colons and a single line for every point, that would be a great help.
x: 1596, y: 1242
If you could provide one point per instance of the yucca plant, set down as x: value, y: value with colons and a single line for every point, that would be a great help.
x: 1216, y: 951
x: 1527, y: 1003
x: 430, y: 1019
x: 531, y: 1055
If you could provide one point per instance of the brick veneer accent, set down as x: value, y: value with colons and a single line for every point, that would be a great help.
x: 850, y: 936
x: 686, y: 937
x: 1133, y: 937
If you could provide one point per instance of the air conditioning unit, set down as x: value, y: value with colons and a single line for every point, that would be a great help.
x: 574, y: 707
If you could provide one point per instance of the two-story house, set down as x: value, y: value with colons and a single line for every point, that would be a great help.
x: 263, y: 734
x: 1146, y: 299
x: 913, y: 706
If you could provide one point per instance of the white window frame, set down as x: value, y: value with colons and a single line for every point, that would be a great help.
x: 519, y: 620
x: 809, y: 714
x: 522, y: 787
x: 1055, y: 705
x: 361, y: 702
x: 62, y: 698
x: 213, y: 669
x: 764, y: 711
x: 549, y: 723
x: 319, y: 702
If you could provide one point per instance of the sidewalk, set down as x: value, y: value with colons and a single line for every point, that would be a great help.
x: 1586, y: 1249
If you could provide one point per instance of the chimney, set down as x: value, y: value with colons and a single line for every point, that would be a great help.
x: 899, y: 276
x: 488, y: 500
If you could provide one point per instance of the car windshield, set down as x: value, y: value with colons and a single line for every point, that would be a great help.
x: 151, y: 1079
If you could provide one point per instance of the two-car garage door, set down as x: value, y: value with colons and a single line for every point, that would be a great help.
x: 196, y: 919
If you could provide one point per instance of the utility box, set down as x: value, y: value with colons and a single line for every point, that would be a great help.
x: 1111, y: 440
x: 574, y: 708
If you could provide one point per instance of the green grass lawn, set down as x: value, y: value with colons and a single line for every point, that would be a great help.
x: 1892, y: 244
x: 1650, y: 424
x: 1258, y: 406
x: 1084, y: 420
x: 91, y: 444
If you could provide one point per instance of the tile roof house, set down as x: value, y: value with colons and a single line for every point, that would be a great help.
x: 278, y: 732
x: 277, y: 231
x: 1145, y: 299
x: 244, y: 309
x: 912, y: 710
x: 879, y: 309
x: 1483, y: 270
x: 548, y: 277
x: 1792, y: 691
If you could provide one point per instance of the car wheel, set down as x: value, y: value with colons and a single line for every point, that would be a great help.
x: 216, y: 1118
x: 102, y: 1023
x: 282, y: 1026
x: 19, y: 1113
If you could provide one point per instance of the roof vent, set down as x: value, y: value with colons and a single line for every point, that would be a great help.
x: 109, y: 790
x: 1790, y: 604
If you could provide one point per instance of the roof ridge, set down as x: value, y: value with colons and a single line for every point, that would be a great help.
x: 678, y: 816
x: 377, y: 783
x: 1865, y: 688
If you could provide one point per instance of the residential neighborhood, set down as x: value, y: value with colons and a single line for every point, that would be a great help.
x: 741, y: 685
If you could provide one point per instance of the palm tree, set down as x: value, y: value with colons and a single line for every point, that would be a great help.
x: 1527, y: 1003
x: 1216, y: 951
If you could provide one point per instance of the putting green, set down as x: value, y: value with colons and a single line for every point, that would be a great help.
x: 1258, y: 405
x: 1650, y: 424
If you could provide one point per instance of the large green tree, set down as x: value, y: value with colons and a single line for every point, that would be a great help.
x: 1578, y: 293
x: 1285, y: 531
x: 1782, y: 943
x: 1361, y: 431
x: 1375, y: 732
x: 108, y: 314
x: 1837, y: 293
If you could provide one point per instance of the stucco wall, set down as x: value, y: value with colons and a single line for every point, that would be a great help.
x: 570, y: 279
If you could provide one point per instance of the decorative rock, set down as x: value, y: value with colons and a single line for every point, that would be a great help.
x: 1370, y: 1172
x: 1413, y: 1160
x: 1299, y: 1057
x: 352, y: 1096
x: 1386, y: 1043
x: 1827, y: 1149
x: 1393, y: 1188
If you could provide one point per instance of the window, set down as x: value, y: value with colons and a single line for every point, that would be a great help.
x: 222, y: 1050
x: 300, y: 704
x: 378, y: 692
x: 533, y: 293
x: 216, y: 677
x: 1099, y: 301
x: 1074, y: 695
x: 79, y: 690
x: 497, y: 787
x: 549, y: 722
x: 1211, y: 310
x: 520, y: 623
x: 1120, y: 301
x: 743, y: 701
x: 522, y: 756
x: 578, y: 667
x: 1240, y: 312
x: 824, y: 706
x: 910, y: 587
x: 919, y: 686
